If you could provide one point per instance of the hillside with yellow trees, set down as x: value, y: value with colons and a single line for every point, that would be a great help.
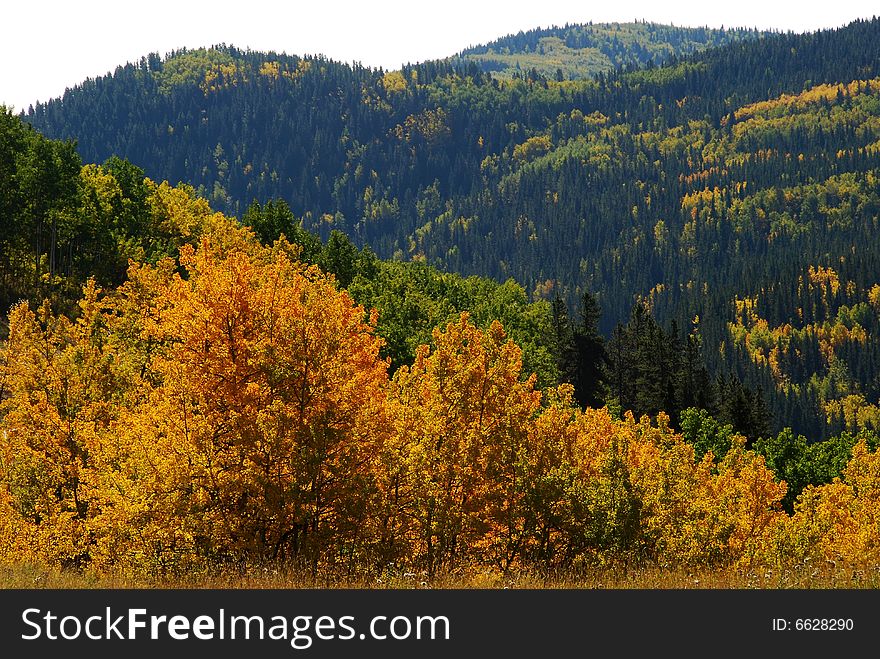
x: 231, y: 406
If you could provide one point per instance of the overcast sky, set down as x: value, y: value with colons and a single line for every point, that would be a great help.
x: 48, y: 45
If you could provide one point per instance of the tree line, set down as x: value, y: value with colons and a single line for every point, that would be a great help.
x: 230, y: 407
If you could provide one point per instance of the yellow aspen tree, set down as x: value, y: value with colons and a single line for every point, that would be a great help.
x: 838, y: 522
x: 270, y: 402
x: 552, y: 507
x: 741, y: 507
x: 456, y: 468
x: 62, y: 386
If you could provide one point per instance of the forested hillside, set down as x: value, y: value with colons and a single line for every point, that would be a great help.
x: 582, y: 51
x: 733, y: 190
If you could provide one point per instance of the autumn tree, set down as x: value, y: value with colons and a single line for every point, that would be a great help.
x: 457, y: 467
x: 271, y: 399
x: 63, y: 387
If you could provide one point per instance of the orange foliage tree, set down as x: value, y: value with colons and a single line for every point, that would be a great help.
x: 455, y: 470
x: 258, y: 440
x: 227, y: 406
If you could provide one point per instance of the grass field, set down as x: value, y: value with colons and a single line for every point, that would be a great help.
x: 825, y: 576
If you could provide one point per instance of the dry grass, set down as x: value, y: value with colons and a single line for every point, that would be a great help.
x: 826, y: 576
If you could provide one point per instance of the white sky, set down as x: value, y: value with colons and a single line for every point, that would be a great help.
x: 49, y: 45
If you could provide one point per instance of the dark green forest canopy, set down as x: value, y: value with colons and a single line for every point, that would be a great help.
x: 732, y: 190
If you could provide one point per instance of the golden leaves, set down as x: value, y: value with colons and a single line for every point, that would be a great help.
x: 837, y: 522
x: 232, y: 405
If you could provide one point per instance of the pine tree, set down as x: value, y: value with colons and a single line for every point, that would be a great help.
x: 590, y: 365
x: 565, y: 348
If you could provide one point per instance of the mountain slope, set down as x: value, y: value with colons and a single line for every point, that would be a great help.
x: 581, y: 51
